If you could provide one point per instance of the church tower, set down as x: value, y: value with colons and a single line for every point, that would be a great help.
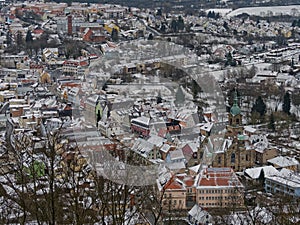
x: 235, y: 117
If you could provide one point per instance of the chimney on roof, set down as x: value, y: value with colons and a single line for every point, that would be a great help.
x: 70, y: 25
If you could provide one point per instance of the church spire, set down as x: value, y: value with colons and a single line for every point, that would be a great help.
x: 235, y: 100
x: 235, y: 109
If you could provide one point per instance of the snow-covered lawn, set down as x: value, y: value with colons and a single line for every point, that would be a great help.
x: 267, y: 11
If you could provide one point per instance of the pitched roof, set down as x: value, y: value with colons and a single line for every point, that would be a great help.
x: 216, y: 177
x: 177, y: 154
x: 175, y: 184
x: 254, y: 173
x: 199, y: 214
x: 283, y: 161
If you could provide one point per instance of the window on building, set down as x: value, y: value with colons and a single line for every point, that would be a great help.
x: 232, y: 158
x: 247, y: 157
x: 219, y: 160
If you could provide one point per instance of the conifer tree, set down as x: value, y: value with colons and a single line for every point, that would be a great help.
x: 286, y: 107
x: 259, y: 106
x: 272, y: 125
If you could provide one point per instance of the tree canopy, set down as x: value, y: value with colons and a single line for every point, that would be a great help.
x: 259, y: 106
x: 286, y: 107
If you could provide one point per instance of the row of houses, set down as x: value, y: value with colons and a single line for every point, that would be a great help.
x: 207, y: 188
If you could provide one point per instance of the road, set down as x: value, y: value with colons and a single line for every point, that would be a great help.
x: 153, y: 31
x: 93, y: 50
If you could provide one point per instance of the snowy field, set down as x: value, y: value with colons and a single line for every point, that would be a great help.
x: 267, y: 11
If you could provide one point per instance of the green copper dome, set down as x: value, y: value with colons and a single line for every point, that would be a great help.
x: 235, y: 109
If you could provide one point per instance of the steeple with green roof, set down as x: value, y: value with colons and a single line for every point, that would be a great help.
x: 235, y: 109
x: 235, y: 116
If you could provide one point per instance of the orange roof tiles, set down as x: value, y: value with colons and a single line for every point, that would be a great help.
x: 189, y: 183
x: 174, y: 185
x: 217, y: 177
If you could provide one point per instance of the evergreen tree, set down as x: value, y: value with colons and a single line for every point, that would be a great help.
x: 114, y: 35
x: 159, y: 12
x: 98, y: 117
x: 150, y: 37
x: 209, y: 14
x: 272, y: 125
x: 286, y: 107
x: 225, y: 25
x: 259, y: 106
x: 19, y: 40
x: 28, y: 38
x: 8, y: 38
x: 195, y: 88
x: 29, y: 42
x: 174, y: 25
x: 180, y: 23
x: 163, y: 28
x: 159, y: 98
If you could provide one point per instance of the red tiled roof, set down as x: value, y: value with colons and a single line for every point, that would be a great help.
x: 189, y: 183
x: 217, y: 177
x: 38, y: 31
x: 173, y: 185
x: 83, y: 63
x: 187, y: 150
x: 162, y: 132
x: 27, y: 81
x: 70, y: 84
x: 211, y: 181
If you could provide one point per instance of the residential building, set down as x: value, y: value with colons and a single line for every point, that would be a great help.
x: 286, y: 182
x: 109, y: 129
x: 141, y: 125
x: 219, y: 187
x: 286, y: 162
x: 199, y: 216
x: 175, y: 194
x: 76, y: 67
x: 90, y: 35
x: 94, y: 108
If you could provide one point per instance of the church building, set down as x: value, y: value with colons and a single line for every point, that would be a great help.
x: 240, y: 149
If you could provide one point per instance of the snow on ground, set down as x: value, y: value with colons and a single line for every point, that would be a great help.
x: 267, y: 11
x: 295, y: 110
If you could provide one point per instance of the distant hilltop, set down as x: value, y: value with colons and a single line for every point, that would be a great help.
x: 267, y: 11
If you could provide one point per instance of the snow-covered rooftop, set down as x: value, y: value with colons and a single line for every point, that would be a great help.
x: 283, y: 161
